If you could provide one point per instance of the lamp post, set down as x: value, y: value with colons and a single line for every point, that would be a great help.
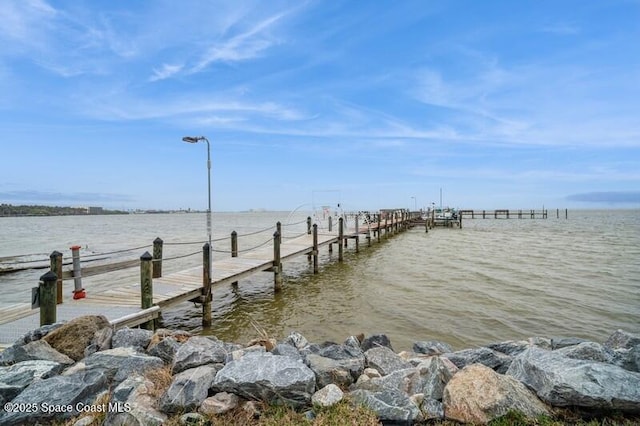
x: 196, y: 139
x: 415, y: 204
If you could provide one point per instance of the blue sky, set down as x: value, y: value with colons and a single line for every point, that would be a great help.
x: 374, y: 104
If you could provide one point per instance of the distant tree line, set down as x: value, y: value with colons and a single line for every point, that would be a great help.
x: 29, y: 210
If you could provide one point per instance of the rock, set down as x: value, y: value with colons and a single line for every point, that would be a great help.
x: 510, y: 347
x: 341, y: 372
x: 35, y: 350
x: 375, y: 341
x: 589, y: 351
x: 239, y: 353
x: 188, y: 389
x: 198, y: 351
x: 563, y: 342
x: 162, y: 333
x: 437, y: 371
x: 408, y: 381
x: 132, y: 403
x: 268, y: 377
x: 58, y: 392
x: 628, y: 359
x: 432, y: 409
x: 287, y: 350
x: 165, y: 350
x: 296, y: 340
x: 73, y: 337
x: 562, y: 381
x: 101, y: 341
x: 384, y: 360
x: 431, y: 347
x: 621, y: 339
x: 353, y: 342
x: 390, y: 405
x: 136, y: 338
x: 267, y: 344
x: 38, y: 333
x: 219, y: 403
x: 15, y: 378
x: 477, y: 395
x: 194, y: 419
x: 338, y: 352
x: 120, y: 363
x: 327, y: 396
x: 485, y: 356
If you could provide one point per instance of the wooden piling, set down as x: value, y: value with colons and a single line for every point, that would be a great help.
x: 206, y: 285
x: 315, y: 248
x: 157, y: 257
x: 277, y: 273
x: 56, y: 268
x: 146, y: 286
x: 340, y: 239
x: 234, y: 249
x: 47, y: 298
x: 357, y: 236
x: 378, y: 227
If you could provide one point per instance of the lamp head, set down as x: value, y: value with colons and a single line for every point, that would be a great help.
x: 191, y: 139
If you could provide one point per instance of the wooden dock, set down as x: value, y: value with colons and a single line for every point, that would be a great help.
x: 122, y: 304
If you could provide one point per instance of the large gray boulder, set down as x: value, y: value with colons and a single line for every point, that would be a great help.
x: 268, y: 377
x: 15, y: 378
x: 431, y: 347
x: 342, y: 372
x: 563, y: 381
x: 588, y: 351
x: 35, y: 350
x: 136, y: 338
x: 197, y: 351
x: 390, y: 405
x: 132, y: 404
x: 383, y: 359
x: 621, y: 339
x: 52, y: 394
x: 485, y: 356
x: 188, y: 389
x: 120, y: 363
x: 477, y: 395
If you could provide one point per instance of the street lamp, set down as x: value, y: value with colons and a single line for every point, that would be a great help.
x: 196, y: 139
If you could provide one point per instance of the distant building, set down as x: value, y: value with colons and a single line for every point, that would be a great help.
x: 95, y: 210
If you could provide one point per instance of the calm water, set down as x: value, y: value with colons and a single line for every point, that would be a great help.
x: 491, y: 280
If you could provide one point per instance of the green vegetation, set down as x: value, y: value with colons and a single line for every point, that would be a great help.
x: 30, y: 210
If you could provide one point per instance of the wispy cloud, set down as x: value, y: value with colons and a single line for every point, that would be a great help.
x: 563, y: 28
x: 247, y: 45
x: 166, y: 71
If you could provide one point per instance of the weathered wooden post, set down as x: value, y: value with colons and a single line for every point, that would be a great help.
x: 378, y: 227
x: 47, y: 297
x: 206, y: 285
x: 277, y: 273
x: 566, y: 213
x: 157, y: 257
x: 340, y: 238
x: 315, y: 248
x: 357, y: 236
x: 146, y: 286
x: 330, y: 225
x: 426, y: 224
x: 309, y: 233
x: 234, y: 249
x: 56, y: 268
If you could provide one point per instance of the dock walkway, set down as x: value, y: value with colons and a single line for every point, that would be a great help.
x: 121, y: 305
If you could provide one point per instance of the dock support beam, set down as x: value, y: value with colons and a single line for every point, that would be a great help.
x: 47, y: 295
x: 56, y: 268
x: 206, y: 285
x: 157, y: 257
x: 340, y: 239
x: 277, y: 272
x: 357, y: 236
x: 234, y: 250
x: 146, y: 286
x: 315, y: 248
